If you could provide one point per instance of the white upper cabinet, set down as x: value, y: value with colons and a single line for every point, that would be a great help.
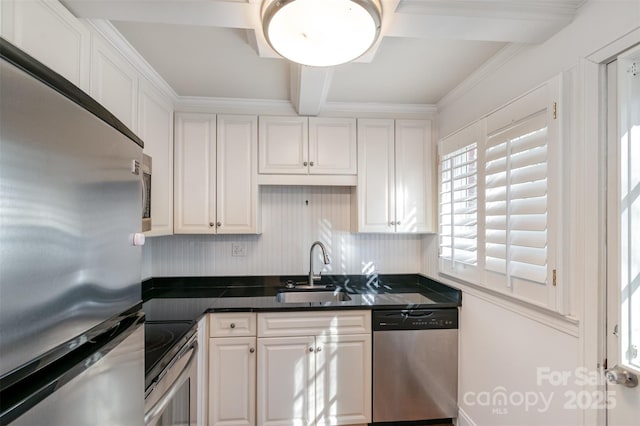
x: 237, y: 177
x: 283, y: 146
x: 195, y: 174
x: 114, y: 82
x: 155, y: 128
x: 47, y: 31
x: 332, y: 146
x: 375, y: 193
x: 216, y: 190
x: 394, y: 177
x: 307, y: 151
x: 414, y: 176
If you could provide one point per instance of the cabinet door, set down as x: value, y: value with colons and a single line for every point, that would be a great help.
x: 195, y: 174
x: 414, y: 180
x: 286, y: 369
x: 114, y: 82
x: 343, y: 379
x: 283, y: 145
x: 376, y: 188
x: 237, y: 176
x: 232, y: 381
x: 155, y: 128
x: 47, y: 31
x: 332, y: 146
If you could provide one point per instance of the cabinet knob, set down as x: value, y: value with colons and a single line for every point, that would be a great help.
x: 318, y: 349
x: 233, y: 325
x: 310, y: 349
x: 311, y: 163
x: 305, y: 164
x: 252, y: 350
x: 211, y: 224
x: 398, y: 223
x: 219, y: 224
x: 392, y: 223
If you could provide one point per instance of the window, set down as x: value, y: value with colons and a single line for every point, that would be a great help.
x: 458, y: 203
x: 497, y: 199
x: 459, y: 206
x: 516, y: 202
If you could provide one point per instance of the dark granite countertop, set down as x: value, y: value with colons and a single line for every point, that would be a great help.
x: 188, y: 298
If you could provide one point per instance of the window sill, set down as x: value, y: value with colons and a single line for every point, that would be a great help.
x: 565, y: 323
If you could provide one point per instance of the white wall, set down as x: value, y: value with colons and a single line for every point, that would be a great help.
x: 598, y: 23
x: 289, y: 227
x: 504, y: 353
x: 502, y: 345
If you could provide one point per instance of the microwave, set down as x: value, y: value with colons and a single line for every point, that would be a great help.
x: 146, y: 193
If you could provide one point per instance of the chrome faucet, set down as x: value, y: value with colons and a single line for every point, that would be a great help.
x: 325, y: 259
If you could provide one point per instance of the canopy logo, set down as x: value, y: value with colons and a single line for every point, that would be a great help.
x: 500, y: 399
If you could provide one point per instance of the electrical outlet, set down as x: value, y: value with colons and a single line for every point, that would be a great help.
x: 238, y: 249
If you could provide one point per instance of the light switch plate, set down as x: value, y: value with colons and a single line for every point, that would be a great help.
x: 238, y: 249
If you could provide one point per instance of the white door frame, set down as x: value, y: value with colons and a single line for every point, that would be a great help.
x: 592, y: 129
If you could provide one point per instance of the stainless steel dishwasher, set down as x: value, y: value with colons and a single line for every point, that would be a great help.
x: 415, y: 365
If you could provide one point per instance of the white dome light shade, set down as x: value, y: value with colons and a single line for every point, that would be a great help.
x: 321, y: 33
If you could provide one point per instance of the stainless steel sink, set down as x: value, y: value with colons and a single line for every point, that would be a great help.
x: 312, y: 296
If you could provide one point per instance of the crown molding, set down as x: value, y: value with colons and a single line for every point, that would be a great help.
x: 234, y: 105
x: 522, y: 9
x: 379, y: 109
x: 116, y: 39
x: 503, y: 56
x: 282, y: 107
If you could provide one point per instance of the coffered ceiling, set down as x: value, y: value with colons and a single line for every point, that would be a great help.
x: 215, y: 48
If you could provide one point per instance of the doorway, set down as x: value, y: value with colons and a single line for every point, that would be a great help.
x: 622, y: 337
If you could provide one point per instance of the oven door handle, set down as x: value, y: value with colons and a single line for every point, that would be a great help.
x: 157, y: 409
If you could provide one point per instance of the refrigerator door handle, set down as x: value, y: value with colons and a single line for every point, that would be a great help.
x: 157, y: 409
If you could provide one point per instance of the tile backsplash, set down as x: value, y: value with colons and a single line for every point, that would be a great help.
x: 292, y: 219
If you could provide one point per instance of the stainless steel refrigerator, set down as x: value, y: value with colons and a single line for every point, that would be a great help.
x: 71, y: 325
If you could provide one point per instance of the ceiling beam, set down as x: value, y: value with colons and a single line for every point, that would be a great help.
x: 188, y: 12
x: 472, y: 28
x: 524, y: 21
x: 258, y: 42
x: 309, y: 88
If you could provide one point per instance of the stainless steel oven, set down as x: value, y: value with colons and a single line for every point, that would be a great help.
x: 171, y: 381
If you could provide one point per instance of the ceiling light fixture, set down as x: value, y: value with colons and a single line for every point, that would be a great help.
x: 321, y: 33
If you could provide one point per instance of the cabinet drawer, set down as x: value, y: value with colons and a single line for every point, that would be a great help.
x: 232, y: 324
x: 313, y: 323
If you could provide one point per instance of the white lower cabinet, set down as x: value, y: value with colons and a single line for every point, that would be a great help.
x: 343, y: 379
x: 320, y: 379
x: 286, y: 370
x: 303, y: 369
x: 232, y: 369
x: 232, y: 381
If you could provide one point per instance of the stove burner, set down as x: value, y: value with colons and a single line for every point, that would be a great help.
x: 160, y: 341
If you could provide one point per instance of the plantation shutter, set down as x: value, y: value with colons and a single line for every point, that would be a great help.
x: 458, y: 203
x: 499, y: 192
x: 518, y: 194
x: 516, y: 201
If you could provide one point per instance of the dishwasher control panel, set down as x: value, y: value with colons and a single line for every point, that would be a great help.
x: 415, y: 319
